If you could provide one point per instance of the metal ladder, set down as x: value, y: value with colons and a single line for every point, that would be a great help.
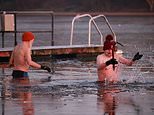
x: 91, y: 20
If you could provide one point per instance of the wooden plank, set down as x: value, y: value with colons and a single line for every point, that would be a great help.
x: 57, y: 50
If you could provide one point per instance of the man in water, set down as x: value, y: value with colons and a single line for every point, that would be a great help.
x: 107, y: 63
x: 21, y: 57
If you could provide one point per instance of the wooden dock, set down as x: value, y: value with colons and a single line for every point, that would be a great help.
x: 56, y: 50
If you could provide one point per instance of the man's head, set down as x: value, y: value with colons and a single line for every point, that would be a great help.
x: 109, y: 45
x: 27, y: 36
x: 109, y: 37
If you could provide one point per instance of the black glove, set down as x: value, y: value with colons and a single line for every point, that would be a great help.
x: 111, y: 61
x: 137, y: 56
x: 46, y: 68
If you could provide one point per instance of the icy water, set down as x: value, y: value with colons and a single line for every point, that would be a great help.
x: 72, y: 87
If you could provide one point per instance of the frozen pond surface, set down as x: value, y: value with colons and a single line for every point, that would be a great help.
x: 72, y: 89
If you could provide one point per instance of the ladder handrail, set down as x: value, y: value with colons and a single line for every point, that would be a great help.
x: 106, y: 20
x: 92, y: 19
x: 80, y: 16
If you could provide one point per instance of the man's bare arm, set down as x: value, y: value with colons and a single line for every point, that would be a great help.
x: 29, y: 60
x: 11, y: 61
x: 101, y: 66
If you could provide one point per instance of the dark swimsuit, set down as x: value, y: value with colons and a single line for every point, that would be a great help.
x: 19, y: 74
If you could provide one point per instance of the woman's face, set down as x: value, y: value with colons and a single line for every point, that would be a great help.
x: 108, y: 52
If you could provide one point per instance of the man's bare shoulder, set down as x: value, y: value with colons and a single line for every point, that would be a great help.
x: 118, y: 56
x: 101, y: 55
x: 21, y: 48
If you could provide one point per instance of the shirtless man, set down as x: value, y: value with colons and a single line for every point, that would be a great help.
x: 105, y: 63
x: 21, y: 57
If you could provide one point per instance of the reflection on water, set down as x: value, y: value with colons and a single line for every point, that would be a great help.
x: 107, y: 99
x: 19, y: 91
x: 24, y: 96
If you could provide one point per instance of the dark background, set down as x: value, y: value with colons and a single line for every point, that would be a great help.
x: 79, y: 5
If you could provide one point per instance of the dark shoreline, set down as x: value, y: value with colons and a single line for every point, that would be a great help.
x: 107, y: 13
x: 91, y: 13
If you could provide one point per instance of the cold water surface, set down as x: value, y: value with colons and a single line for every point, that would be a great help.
x: 73, y: 90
